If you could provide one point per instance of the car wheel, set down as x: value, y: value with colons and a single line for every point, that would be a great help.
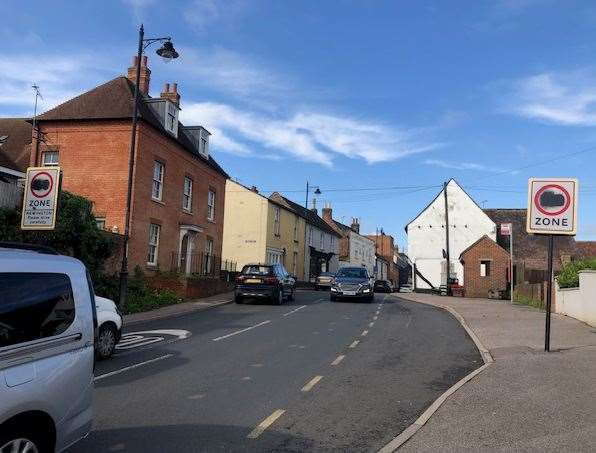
x: 106, y: 341
x: 238, y: 299
x: 278, y: 298
x: 23, y: 440
x: 291, y: 296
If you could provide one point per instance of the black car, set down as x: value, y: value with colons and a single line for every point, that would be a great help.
x: 352, y: 283
x: 383, y: 286
x: 268, y: 281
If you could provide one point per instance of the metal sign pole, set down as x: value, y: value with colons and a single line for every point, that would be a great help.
x: 511, y: 276
x: 549, y: 292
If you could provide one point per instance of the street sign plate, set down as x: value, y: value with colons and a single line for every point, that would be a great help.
x: 505, y: 229
x: 552, y: 206
x: 40, y: 198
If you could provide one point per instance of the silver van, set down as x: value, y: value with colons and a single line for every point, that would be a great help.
x: 47, y: 328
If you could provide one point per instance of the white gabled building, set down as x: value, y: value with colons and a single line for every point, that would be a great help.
x: 427, y: 236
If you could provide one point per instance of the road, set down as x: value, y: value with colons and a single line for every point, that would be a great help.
x: 309, y: 375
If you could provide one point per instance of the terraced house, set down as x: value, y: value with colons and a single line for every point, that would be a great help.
x: 177, y: 187
x: 258, y: 229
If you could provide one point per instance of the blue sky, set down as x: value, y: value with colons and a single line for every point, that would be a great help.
x: 395, y: 95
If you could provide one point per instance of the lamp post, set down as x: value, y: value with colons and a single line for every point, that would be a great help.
x: 306, y: 244
x: 167, y: 52
x: 308, y: 187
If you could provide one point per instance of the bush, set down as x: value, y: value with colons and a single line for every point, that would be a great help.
x: 525, y: 300
x: 141, y: 297
x: 569, y: 276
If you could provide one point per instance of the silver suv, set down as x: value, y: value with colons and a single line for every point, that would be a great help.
x: 47, y: 328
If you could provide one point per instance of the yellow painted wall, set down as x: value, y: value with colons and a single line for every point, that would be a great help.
x: 245, y: 225
x: 285, y: 239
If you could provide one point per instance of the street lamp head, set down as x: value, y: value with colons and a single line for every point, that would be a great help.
x: 167, y: 51
x: 318, y: 191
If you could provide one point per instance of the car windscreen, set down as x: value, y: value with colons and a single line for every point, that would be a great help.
x: 349, y: 272
x: 326, y: 274
x: 257, y: 270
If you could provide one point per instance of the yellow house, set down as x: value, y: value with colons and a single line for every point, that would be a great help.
x: 259, y: 230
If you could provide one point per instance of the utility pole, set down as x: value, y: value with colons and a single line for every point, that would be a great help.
x: 447, y: 238
x: 35, y: 131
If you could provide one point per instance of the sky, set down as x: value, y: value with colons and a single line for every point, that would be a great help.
x: 375, y: 102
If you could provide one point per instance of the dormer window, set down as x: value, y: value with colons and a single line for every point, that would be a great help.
x: 171, y: 118
x: 204, y: 143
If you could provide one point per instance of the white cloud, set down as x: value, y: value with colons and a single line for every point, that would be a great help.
x: 560, y: 98
x: 455, y: 165
x: 139, y: 8
x: 202, y: 14
x: 308, y: 136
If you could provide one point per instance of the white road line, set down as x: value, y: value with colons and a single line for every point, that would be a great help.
x: 354, y: 344
x: 378, y: 311
x: 294, y: 311
x: 370, y: 324
x: 308, y: 387
x: 241, y: 331
x: 132, y: 367
x: 365, y: 333
x: 375, y: 318
x: 338, y: 359
x: 261, y: 427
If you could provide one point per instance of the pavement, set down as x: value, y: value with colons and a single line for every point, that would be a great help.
x: 309, y: 375
x: 180, y: 309
x: 527, y: 400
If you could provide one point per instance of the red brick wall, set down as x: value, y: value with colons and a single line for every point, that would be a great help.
x: 486, y: 249
x: 94, y: 158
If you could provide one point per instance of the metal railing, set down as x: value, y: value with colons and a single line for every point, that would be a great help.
x: 201, y: 264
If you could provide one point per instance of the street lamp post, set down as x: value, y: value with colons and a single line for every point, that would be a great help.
x: 306, y: 254
x: 167, y: 52
x: 308, y: 187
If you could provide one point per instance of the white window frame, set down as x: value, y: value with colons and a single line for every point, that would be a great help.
x: 171, y: 118
x: 157, y: 186
x: 153, y: 251
x: 484, y: 267
x: 204, y: 143
x: 50, y: 162
x: 187, y: 194
x: 310, y: 236
x: 100, y: 222
x: 296, y: 228
x: 211, y: 205
x: 276, y: 220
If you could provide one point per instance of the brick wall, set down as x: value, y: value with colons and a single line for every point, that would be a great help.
x: 94, y: 158
x: 485, y: 250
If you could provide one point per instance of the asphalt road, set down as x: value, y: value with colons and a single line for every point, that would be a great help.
x: 310, y: 375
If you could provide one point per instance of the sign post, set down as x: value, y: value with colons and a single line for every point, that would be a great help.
x: 552, y: 210
x: 507, y: 230
x: 40, y: 199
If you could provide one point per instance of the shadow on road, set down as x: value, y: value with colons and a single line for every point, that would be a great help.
x: 188, y: 438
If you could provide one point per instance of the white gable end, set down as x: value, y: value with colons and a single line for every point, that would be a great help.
x: 426, y: 235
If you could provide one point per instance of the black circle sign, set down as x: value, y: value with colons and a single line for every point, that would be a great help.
x: 41, y: 184
x: 552, y: 200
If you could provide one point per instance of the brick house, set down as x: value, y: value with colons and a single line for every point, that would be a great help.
x: 387, y: 251
x: 178, y: 188
x: 486, y: 267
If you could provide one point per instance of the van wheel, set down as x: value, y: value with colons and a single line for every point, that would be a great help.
x: 106, y: 341
x: 22, y: 440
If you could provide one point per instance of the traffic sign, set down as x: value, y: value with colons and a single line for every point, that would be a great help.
x: 40, y: 198
x: 505, y: 229
x: 552, y: 206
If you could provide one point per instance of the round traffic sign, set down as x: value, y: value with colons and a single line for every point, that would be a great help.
x: 552, y: 199
x: 41, y: 187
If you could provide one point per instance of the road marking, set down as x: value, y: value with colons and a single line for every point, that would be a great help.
x: 132, y: 367
x: 365, y: 333
x: 241, y: 331
x: 136, y: 341
x: 246, y: 378
x: 308, y: 387
x: 375, y: 318
x: 355, y: 343
x: 257, y: 365
x: 409, y: 321
x: 338, y: 359
x: 198, y: 396
x: 294, y: 311
x: 378, y: 311
x: 370, y: 324
x: 261, y: 427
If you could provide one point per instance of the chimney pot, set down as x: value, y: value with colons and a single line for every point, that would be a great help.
x: 166, y: 87
x: 145, y: 75
x: 174, y: 88
x: 144, y: 61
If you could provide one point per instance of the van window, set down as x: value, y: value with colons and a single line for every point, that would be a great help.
x: 34, y: 306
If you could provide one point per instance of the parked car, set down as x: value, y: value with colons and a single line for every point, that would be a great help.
x: 109, y: 330
x: 323, y: 281
x: 405, y: 288
x: 383, y: 286
x: 352, y: 283
x: 268, y: 281
x: 47, y: 327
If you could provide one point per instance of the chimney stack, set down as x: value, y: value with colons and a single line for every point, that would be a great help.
x: 355, y: 227
x: 170, y: 92
x: 327, y: 213
x: 254, y: 189
x: 145, y: 75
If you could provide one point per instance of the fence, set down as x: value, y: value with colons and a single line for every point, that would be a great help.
x: 11, y: 194
x: 201, y: 264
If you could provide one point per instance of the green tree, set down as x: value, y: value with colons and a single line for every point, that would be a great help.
x: 76, y: 233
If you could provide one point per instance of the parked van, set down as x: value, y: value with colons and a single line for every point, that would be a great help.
x: 47, y: 330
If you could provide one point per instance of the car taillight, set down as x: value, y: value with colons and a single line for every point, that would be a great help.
x: 240, y: 278
x: 271, y: 281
